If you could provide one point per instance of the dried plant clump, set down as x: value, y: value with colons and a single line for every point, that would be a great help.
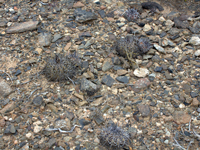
x: 114, y: 137
x: 62, y: 68
x: 131, y: 15
x: 130, y: 47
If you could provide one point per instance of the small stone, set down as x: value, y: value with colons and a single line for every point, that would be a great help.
x: 83, y: 15
x: 56, y: 37
x: 63, y: 123
x: 195, y: 40
x: 197, y: 53
x: 89, y: 87
x: 146, y: 28
x: 8, y: 108
x: 194, y: 94
x: 18, y: 72
x: 39, y: 50
x: 168, y: 76
x: 22, y: 27
x: 78, y: 5
x: 67, y: 138
x: 84, y: 122
x: 2, y: 122
x: 195, y: 102
x: 141, y: 72
x: 44, y: 39
x: 29, y: 135
x: 10, y: 129
x: 51, y: 142
x: 181, y: 117
x: 107, y: 80
x: 181, y: 106
x: 123, y: 79
x: 158, y: 69
x: 106, y: 66
x: 5, y: 89
x: 159, y: 48
x: 52, y: 108
x: 121, y: 72
x: 144, y: 110
x: 169, y: 23
x: 37, y: 129
x: 67, y: 46
x: 37, y: 101
x: 140, y: 84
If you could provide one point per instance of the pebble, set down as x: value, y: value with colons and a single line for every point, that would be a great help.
x: 89, y: 87
x: 140, y: 84
x: 144, y: 110
x: 37, y: 129
x: 108, y: 80
x: 181, y: 117
x: 106, y: 66
x: 37, y: 101
x: 83, y: 15
x: 195, y: 40
x: 141, y: 72
x: 197, y: 53
x: 146, y: 28
x: 159, y: 48
x: 123, y: 79
x: 5, y: 88
x: 44, y: 39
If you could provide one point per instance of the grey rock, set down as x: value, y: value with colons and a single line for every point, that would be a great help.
x: 168, y: 76
x: 84, y: 122
x: 37, y: 101
x: 144, y: 110
x: 141, y: 84
x: 197, y: 53
x: 63, y: 123
x: 123, y: 79
x: 156, y: 58
x: 107, y: 80
x: 89, y: 87
x: 195, y: 28
x: 51, y: 142
x: 159, y: 48
x: 56, y: 37
x: 195, y: 40
x: 89, y: 42
x: 44, y: 39
x: 10, y: 129
x: 22, y: 27
x: 5, y: 89
x: 106, y: 66
x: 194, y: 94
x: 83, y: 15
x: 98, y: 118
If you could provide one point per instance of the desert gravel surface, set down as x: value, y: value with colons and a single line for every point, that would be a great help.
x: 99, y: 74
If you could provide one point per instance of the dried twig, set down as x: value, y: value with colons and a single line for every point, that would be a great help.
x: 33, y: 92
x: 145, y: 144
x: 195, y: 133
x: 62, y: 131
x: 178, y: 145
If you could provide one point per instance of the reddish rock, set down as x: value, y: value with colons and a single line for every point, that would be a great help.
x: 181, y: 117
x: 78, y: 5
x: 195, y: 102
x: 141, y: 84
x: 2, y: 122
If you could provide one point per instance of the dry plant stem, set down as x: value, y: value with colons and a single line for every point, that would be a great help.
x: 62, y: 131
x: 7, y: 75
x: 130, y: 58
x: 178, y: 145
x: 71, y: 80
x: 145, y: 144
x: 33, y: 92
x: 195, y: 133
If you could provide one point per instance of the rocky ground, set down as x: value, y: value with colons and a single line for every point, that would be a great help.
x: 154, y: 102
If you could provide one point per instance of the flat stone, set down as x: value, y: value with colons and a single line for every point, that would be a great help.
x: 158, y: 69
x: 56, y: 37
x: 159, y: 48
x: 195, y: 102
x: 51, y: 142
x: 89, y: 87
x: 195, y: 40
x: 121, y: 72
x: 197, y: 53
x: 37, y: 101
x: 84, y: 122
x: 37, y: 129
x: 83, y: 15
x: 106, y: 66
x: 123, y: 79
x: 78, y: 5
x: 140, y: 84
x: 98, y: 119
x: 168, y: 76
x: 194, y: 94
x: 2, y: 122
x: 22, y: 27
x: 44, y: 39
x: 141, y: 72
x: 144, y: 110
x: 181, y: 117
x: 146, y: 28
x: 8, y: 108
x: 107, y: 80
x: 10, y: 129
x: 5, y: 89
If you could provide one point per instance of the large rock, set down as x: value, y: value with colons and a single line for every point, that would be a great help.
x: 83, y: 15
x: 5, y: 89
x: 89, y: 87
x: 22, y: 27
